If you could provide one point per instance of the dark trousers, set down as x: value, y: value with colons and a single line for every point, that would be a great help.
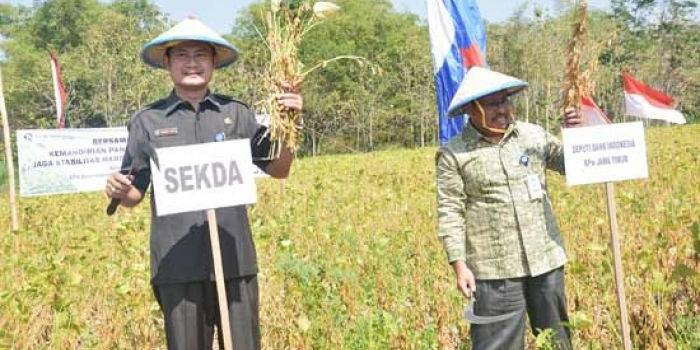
x: 543, y: 298
x: 191, y: 310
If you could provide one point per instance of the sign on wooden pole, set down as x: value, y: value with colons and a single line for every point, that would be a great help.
x: 8, y: 159
x: 204, y: 177
x: 603, y: 154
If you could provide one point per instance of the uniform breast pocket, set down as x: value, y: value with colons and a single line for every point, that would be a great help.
x: 231, y: 131
x: 481, y: 175
x: 168, y: 141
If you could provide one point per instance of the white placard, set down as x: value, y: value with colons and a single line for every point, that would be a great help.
x: 55, y: 161
x: 203, y: 176
x: 605, y: 153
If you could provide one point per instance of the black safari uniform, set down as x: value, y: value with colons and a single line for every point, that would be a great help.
x: 181, y: 262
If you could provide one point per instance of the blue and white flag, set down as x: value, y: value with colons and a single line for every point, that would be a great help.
x: 458, y: 40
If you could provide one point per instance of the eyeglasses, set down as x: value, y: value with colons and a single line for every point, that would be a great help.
x: 199, y: 57
x: 505, y: 101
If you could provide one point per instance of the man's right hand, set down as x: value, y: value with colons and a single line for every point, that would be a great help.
x: 572, y: 118
x: 118, y: 185
x: 466, y: 283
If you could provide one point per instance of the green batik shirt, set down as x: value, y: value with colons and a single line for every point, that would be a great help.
x: 493, y: 209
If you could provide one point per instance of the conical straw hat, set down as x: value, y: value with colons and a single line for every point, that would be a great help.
x: 189, y: 29
x: 479, y: 82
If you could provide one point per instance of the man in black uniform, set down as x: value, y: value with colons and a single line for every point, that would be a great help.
x: 181, y: 264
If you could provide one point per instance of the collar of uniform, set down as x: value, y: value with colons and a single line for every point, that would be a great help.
x: 212, y: 101
x: 472, y: 133
x: 174, y: 102
x: 513, y: 129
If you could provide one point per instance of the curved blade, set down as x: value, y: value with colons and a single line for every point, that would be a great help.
x: 476, y: 319
x: 145, y: 152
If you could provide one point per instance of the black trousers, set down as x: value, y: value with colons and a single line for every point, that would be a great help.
x: 191, y: 310
x: 541, y: 296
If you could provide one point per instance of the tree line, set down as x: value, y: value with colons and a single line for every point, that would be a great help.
x: 349, y: 107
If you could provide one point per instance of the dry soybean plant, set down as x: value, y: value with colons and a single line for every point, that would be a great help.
x: 575, y: 82
x: 286, y: 23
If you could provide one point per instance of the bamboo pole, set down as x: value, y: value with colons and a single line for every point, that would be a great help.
x: 225, y: 328
x: 56, y: 93
x: 617, y: 259
x: 8, y: 159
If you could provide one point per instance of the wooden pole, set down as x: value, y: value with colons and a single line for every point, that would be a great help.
x: 8, y: 159
x: 617, y: 259
x: 225, y: 328
x: 282, y: 186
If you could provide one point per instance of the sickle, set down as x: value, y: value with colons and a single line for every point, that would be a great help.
x: 476, y: 319
x: 145, y: 151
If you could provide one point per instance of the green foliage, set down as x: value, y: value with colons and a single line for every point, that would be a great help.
x: 656, y: 42
x: 695, y: 229
x: 60, y: 24
x: 9, y: 17
x: 3, y: 175
x: 97, y: 45
x: 579, y: 320
x: 348, y: 108
x: 145, y: 14
x: 352, y: 108
x: 687, y: 332
x: 546, y: 340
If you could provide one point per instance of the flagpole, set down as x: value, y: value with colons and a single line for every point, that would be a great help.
x: 617, y: 260
x: 8, y: 159
x: 56, y: 92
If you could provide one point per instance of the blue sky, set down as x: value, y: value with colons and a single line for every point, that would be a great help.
x: 219, y: 14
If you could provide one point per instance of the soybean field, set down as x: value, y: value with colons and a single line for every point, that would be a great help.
x: 349, y: 259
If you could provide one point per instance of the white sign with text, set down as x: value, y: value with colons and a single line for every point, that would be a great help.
x: 605, y: 153
x: 55, y: 161
x: 203, y: 176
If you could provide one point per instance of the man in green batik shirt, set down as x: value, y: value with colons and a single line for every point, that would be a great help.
x: 495, y: 218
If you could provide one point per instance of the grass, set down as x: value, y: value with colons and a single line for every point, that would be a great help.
x: 3, y: 175
x: 350, y: 260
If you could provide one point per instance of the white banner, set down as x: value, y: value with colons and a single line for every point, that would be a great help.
x: 54, y: 161
x: 203, y: 176
x: 605, y: 153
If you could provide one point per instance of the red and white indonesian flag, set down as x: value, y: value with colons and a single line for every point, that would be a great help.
x: 591, y: 114
x: 645, y: 102
x: 59, y: 92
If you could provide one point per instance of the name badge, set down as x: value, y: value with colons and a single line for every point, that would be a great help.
x: 524, y: 160
x: 166, y: 132
x: 534, y: 187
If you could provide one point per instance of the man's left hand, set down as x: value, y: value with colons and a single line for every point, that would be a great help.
x: 290, y: 99
x: 572, y: 118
